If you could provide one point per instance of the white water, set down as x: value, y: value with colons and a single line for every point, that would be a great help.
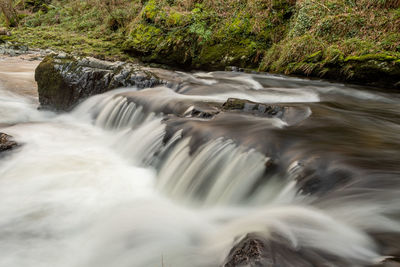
x: 80, y: 192
x: 16, y: 109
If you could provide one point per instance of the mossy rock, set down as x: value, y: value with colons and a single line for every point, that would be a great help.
x: 54, y: 91
x: 248, y: 106
x: 221, y: 55
x: 64, y: 81
x: 374, y: 69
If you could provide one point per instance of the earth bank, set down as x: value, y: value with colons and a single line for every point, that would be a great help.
x: 355, y: 41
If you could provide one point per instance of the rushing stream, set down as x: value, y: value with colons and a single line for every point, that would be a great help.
x: 134, y: 178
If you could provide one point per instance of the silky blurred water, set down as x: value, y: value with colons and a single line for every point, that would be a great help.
x: 104, y: 186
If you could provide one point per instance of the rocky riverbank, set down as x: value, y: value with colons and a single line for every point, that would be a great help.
x: 352, y: 41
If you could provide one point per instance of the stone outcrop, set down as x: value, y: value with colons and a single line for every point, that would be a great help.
x: 254, y: 250
x: 65, y: 80
x: 290, y: 114
x: 250, y: 106
x: 6, y: 142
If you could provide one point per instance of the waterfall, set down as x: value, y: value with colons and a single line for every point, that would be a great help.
x: 218, y: 172
x: 112, y: 183
x: 219, y: 181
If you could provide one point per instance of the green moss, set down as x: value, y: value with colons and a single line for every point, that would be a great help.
x: 57, y: 39
x: 150, y: 10
x: 315, y: 57
x: 177, y: 19
x: 144, y: 38
x: 227, y: 54
x: 239, y: 25
x: 235, y: 103
x: 333, y: 55
x: 52, y: 87
x: 304, y: 18
x: 282, y: 57
x: 377, y: 57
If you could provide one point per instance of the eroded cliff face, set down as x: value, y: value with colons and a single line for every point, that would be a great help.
x: 64, y: 80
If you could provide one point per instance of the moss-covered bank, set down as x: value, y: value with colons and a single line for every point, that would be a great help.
x: 356, y: 41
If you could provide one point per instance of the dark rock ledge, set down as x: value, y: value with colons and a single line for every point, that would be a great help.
x: 65, y: 80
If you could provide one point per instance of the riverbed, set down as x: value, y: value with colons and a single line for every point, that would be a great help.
x: 140, y: 178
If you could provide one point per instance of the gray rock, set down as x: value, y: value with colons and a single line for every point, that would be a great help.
x: 64, y: 80
x: 253, y: 107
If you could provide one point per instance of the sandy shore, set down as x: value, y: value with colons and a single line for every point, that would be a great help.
x: 17, y: 74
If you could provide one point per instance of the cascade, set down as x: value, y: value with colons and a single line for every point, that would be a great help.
x: 115, y: 182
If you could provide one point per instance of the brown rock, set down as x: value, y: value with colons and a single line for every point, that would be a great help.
x: 6, y: 142
x: 254, y: 250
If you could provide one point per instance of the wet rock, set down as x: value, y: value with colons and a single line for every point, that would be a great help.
x: 234, y: 69
x: 389, y: 245
x: 249, y: 106
x: 13, y: 50
x: 201, y: 112
x: 251, y: 251
x: 64, y: 80
x: 254, y: 250
x: 291, y: 114
x: 390, y: 262
x: 6, y: 142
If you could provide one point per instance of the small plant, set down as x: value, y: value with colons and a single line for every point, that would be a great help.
x: 200, y: 25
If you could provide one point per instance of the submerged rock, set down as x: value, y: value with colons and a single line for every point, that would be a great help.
x: 250, y: 106
x: 64, y: 80
x: 291, y: 114
x: 6, y: 142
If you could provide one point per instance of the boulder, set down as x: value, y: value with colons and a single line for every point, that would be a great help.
x: 6, y: 142
x: 254, y: 250
x: 253, y: 107
x: 291, y: 114
x: 65, y: 80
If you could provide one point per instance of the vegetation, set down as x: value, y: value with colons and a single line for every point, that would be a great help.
x: 9, y: 13
x: 339, y: 39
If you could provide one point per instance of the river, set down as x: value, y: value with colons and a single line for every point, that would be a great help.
x: 135, y: 178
